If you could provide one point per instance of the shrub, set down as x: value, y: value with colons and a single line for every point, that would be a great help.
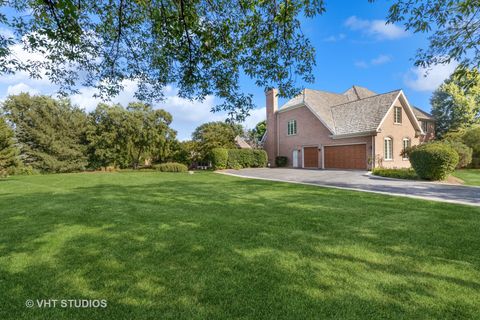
x: 463, y: 151
x: 407, y: 173
x: 22, y: 170
x: 433, y: 161
x: 281, y: 161
x: 171, y: 167
x: 238, y: 158
x: 261, y: 158
x: 219, y: 158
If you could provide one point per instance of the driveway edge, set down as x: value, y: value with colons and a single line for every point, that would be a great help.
x: 352, y: 189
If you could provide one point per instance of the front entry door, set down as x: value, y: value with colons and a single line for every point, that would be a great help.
x: 295, y: 158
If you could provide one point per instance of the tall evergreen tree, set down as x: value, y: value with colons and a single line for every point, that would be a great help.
x: 8, y: 150
x: 456, y: 103
x: 50, y: 133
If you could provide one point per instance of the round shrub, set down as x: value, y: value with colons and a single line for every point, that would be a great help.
x: 433, y: 161
x: 281, y: 161
x: 464, y: 153
x: 171, y: 167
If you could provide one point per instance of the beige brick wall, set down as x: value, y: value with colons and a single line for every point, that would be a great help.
x: 310, y: 132
x: 397, y: 132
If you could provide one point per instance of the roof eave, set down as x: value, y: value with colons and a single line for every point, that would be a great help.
x: 355, y: 134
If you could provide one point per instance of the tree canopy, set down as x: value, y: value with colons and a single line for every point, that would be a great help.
x: 50, y: 132
x: 212, y: 135
x: 453, y: 27
x: 456, y: 105
x: 8, y: 150
x: 201, y: 46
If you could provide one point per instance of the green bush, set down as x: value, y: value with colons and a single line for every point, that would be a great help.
x: 260, y: 158
x: 238, y: 158
x: 433, y: 161
x: 281, y: 161
x: 171, y: 167
x: 463, y: 151
x: 219, y: 158
x: 22, y: 170
x: 406, y: 173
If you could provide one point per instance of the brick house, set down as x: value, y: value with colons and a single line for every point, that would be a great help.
x: 357, y: 129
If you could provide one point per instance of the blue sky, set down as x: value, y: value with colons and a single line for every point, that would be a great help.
x: 353, y: 46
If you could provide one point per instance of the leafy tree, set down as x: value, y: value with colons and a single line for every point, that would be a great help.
x: 8, y: 150
x: 107, y: 136
x: 186, y: 152
x: 212, y: 135
x: 456, y: 105
x: 123, y: 137
x: 453, y: 27
x: 50, y: 133
x: 255, y: 135
x: 147, y: 131
x: 200, y: 46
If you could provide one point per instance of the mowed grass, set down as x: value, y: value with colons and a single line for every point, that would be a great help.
x: 208, y: 246
x: 470, y: 176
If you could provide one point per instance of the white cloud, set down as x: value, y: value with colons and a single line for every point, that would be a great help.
x: 376, y: 28
x: 21, y: 87
x: 361, y: 64
x: 335, y: 38
x: 256, y: 115
x: 381, y: 59
x: 421, y: 79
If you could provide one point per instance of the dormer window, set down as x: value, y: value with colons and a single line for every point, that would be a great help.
x: 397, y: 116
x: 292, y: 127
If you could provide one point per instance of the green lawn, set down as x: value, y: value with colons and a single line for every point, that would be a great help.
x: 470, y: 176
x: 207, y: 246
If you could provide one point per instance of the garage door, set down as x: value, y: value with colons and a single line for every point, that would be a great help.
x: 346, y: 157
x: 310, y: 155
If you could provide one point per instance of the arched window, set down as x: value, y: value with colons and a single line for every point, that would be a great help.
x: 388, y: 149
x: 406, y: 144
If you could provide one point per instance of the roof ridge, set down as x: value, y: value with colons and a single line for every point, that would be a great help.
x: 329, y: 92
x: 379, y: 94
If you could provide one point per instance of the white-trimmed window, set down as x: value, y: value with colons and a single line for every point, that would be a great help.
x: 292, y: 127
x: 388, y: 149
x: 397, y: 115
x: 405, y: 144
x: 424, y: 126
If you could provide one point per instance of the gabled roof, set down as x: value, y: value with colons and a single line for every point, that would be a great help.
x: 362, y: 115
x: 241, y: 143
x: 357, y: 110
x: 420, y: 114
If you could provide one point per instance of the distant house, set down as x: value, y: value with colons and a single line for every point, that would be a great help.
x: 356, y: 129
x: 241, y: 143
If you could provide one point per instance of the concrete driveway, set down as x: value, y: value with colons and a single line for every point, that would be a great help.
x: 364, y: 181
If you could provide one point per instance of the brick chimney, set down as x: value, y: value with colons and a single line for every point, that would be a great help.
x: 271, y: 140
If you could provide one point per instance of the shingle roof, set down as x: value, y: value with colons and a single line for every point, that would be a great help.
x: 420, y: 114
x: 241, y: 143
x: 356, y: 110
x: 362, y: 115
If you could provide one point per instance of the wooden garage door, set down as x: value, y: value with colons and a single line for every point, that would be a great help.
x: 346, y: 157
x: 310, y: 155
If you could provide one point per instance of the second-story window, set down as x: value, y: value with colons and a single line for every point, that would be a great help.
x: 424, y: 126
x: 397, y: 115
x: 292, y: 127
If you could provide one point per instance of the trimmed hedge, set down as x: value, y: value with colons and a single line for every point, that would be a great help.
x: 171, y: 167
x: 219, y: 158
x: 238, y: 158
x: 433, y: 161
x: 396, y: 173
x: 281, y: 161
